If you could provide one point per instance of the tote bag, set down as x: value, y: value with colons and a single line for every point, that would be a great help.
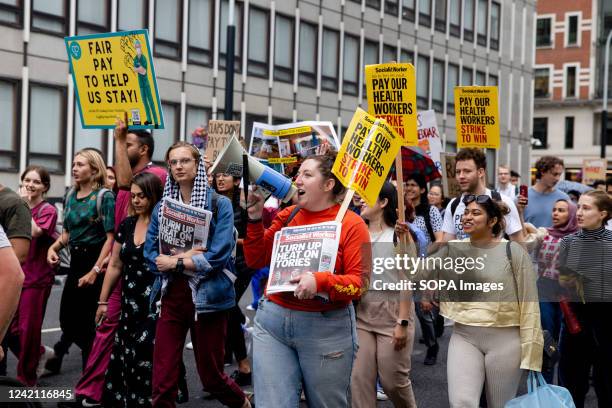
x: 542, y: 395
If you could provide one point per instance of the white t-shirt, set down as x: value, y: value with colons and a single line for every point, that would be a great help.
x: 509, y: 191
x: 453, y: 226
x: 4, y: 242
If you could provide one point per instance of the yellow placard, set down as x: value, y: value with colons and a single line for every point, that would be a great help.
x: 113, y: 73
x: 391, y: 92
x: 288, y: 132
x: 477, y: 116
x: 282, y: 160
x: 366, y: 155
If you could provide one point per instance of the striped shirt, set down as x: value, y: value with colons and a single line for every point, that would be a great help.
x: 588, y: 253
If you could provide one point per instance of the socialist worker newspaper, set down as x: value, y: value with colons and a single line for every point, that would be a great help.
x: 182, y: 227
x: 307, y: 248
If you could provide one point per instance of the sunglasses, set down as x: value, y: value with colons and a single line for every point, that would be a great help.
x: 480, y: 199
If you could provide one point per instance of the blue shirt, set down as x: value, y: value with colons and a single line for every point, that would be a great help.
x: 539, y: 209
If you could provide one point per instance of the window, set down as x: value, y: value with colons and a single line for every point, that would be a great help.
x: 93, y: 16
x: 480, y: 78
x: 572, y: 30
x: 10, y: 14
x: 543, y: 32
x: 200, y: 34
x: 408, y: 10
x: 495, y: 20
x: 46, y: 124
x: 237, y: 37
x: 330, y: 62
x: 406, y: 56
x: 49, y: 16
x: 391, y: 7
x: 451, y: 82
x: 540, y: 133
x: 283, y: 53
x: 422, y: 74
x: 541, y: 87
x: 425, y: 13
x: 468, y: 21
x: 196, y: 117
x: 441, y: 15
x: 438, y: 86
x: 308, y: 54
x: 370, y: 56
x: 258, y: 42
x: 569, y: 132
x: 132, y: 14
x: 389, y: 53
x: 9, y: 124
x: 483, y: 11
x: 168, y: 28
x: 83, y: 138
x: 466, y: 77
x: 570, y: 81
x: 455, y: 18
x: 164, y: 138
x: 493, y: 81
x: 373, y: 3
x: 350, y: 76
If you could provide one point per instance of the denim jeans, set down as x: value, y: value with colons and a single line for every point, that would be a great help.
x: 292, y: 347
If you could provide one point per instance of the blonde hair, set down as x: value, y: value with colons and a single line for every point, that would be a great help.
x: 96, y: 162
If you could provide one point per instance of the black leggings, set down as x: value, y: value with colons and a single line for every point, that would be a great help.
x: 234, y: 342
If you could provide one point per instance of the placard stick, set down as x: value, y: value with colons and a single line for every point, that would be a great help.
x: 345, y: 203
x: 399, y: 176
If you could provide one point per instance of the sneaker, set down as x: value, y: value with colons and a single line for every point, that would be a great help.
x: 183, y: 392
x: 432, y: 355
x: 83, y: 402
x: 54, y: 364
x: 44, y: 357
x: 242, y: 379
x: 251, y: 308
x: 189, y: 346
x: 380, y: 395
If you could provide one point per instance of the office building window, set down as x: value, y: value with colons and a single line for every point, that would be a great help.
x: 168, y: 16
x: 10, y: 13
x: 308, y: 54
x: 437, y: 96
x: 422, y: 74
x: 425, y: 13
x: 9, y: 124
x: 451, y: 82
x: 569, y: 132
x: 495, y: 22
x: 237, y: 38
x: 350, y: 76
x: 132, y: 14
x: 406, y: 56
x: 570, y: 81
x: 370, y: 56
x: 468, y: 20
x: 466, y: 77
x: 164, y: 138
x: 83, y: 138
x: 540, y: 133
x: 483, y: 12
x: 389, y: 53
x: 572, y: 30
x: 46, y: 127
x: 392, y: 7
x: 283, y: 53
x: 455, y: 18
x: 541, y: 86
x: 408, y: 10
x: 199, y: 43
x: 93, y: 16
x: 493, y: 81
x: 481, y: 78
x: 50, y: 16
x: 441, y: 15
x: 196, y: 117
x: 544, y: 32
x: 373, y: 3
x: 258, y: 42
x: 330, y: 62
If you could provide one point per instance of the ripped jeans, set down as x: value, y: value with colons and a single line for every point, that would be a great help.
x: 291, y: 348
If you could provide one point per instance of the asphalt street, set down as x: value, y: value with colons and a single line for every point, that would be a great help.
x: 429, y: 382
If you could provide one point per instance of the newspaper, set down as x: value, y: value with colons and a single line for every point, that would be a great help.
x: 182, y: 227
x: 307, y: 248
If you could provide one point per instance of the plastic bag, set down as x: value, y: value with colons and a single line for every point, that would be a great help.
x: 542, y: 395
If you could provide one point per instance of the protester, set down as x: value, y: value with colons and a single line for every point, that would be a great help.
x: 504, y: 185
x: 24, y: 336
x: 436, y: 198
x: 385, y: 320
x: 515, y: 178
x: 16, y: 220
x: 496, y: 334
x: 574, y: 195
x: 196, y: 291
x: 12, y: 278
x: 128, y: 379
x: 599, y: 185
x: 585, y: 266
x: 543, y: 194
x: 111, y: 178
x: 89, y: 233
x: 315, y: 339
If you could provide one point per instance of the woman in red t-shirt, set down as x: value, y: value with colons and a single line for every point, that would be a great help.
x: 300, y: 338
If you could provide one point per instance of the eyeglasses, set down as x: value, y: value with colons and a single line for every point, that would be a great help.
x: 182, y: 162
x: 480, y: 199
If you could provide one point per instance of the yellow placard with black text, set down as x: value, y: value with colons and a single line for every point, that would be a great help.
x: 477, y: 116
x: 113, y: 73
x: 391, y: 92
x: 367, y: 153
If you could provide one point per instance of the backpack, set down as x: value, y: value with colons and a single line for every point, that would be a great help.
x: 58, y: 230
x: 99, y: 199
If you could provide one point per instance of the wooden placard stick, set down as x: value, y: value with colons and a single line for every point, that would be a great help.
x: 348, y: 197
x: 399, y: 176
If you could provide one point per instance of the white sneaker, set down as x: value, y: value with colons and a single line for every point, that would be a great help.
x: 189, y: 346
x: 47, y: 354
x: 380, y: 395
x: 250, y: 307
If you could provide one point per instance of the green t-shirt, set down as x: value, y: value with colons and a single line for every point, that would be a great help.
x: 15, y: 215
x: 82, y: 221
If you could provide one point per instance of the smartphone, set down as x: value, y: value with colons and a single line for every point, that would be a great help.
x: 523, y: 190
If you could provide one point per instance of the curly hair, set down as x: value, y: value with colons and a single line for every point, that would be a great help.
x: 546, y: 163
x: 472, y: 153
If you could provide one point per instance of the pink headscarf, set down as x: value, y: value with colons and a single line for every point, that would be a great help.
x: 571, y: 226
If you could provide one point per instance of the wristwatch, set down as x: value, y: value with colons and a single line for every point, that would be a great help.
x: 180, y: 267
x: 402, y: 322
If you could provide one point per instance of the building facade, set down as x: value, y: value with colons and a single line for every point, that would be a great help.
x: 568, y: 80
x: 294, y: 60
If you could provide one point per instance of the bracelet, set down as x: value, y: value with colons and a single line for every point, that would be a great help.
x: 100, y: 303
x: 254, y: 221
